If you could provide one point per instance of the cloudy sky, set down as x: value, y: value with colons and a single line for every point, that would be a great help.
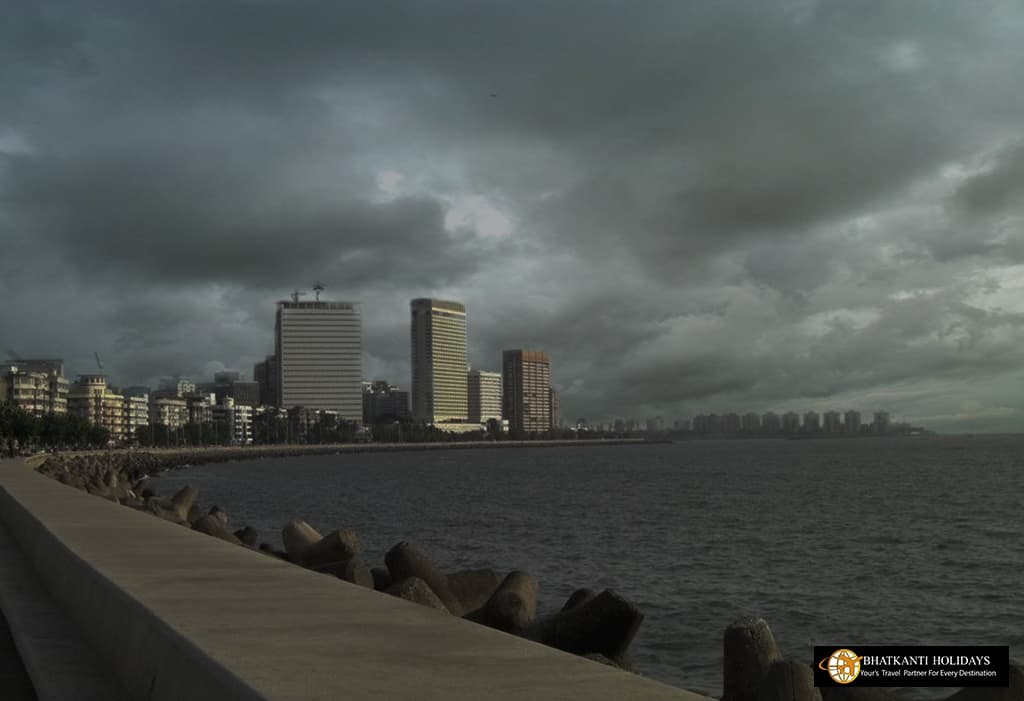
x: 692, y: 206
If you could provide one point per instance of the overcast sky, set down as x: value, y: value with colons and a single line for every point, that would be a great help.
x: 692, y: 206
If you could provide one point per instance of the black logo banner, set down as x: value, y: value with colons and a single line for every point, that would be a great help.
x: 911, y: 665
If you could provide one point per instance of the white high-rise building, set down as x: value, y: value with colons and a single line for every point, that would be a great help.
x: 93, y: 399
x: 37, y: 386
x: 238, y: 418
x: 484, y: 396
x: 136, y: 414
x: 319, y: 357
x: 439, y: 361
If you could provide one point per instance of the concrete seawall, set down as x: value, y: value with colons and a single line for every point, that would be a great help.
x: 175, y: 614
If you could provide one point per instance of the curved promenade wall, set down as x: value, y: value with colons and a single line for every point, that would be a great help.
x: 180, y: 615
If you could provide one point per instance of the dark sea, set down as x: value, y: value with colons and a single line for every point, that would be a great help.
x: 860, y: 542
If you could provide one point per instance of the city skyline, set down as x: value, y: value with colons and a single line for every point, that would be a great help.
x: 39, y: 387
x: 455, y: 339
x: 692, y: 207
x: 314, y: 373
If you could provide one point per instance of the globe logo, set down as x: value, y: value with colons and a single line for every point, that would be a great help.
x: 843, y: 666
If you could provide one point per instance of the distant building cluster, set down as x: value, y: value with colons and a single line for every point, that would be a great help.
x: 447, y: 393
x: 383, y: 401
x: 768, y: 424
x: 312, y: 388
x: 40, y: 388
x: 831, y: 423
x: 311, y: 384
x: 317, y: 366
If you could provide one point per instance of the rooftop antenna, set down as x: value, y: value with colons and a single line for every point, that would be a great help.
x: 296, y: 294
x: 318, y: 288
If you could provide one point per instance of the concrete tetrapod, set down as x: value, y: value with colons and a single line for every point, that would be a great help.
x: 788, y: 680
x: 578, y: 597
x: 248, y: 535
x: 357, y: 572
x: 183, y: 500
x: 165, y: 509
x: 598, y: 657
x: 416, y: 590
x: 604, y: 624
x: 405, y: 561
x: 381, y: 578
x: 211, y: 525
x: 269, y: 549
x: 352, y: 570
x: 472, y: 588
x: 298, y: 536
x: 749, y: 650
x: 336, y: 546
x: 513, y: 606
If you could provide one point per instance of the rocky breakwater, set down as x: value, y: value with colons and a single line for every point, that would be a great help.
x: 597, y: 625
x: 111, y: 475
x: 85, y: 470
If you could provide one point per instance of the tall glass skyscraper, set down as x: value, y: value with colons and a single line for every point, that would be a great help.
x: 439, y: 361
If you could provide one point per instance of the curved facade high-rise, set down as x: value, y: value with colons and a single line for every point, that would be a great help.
x: 439, y: 361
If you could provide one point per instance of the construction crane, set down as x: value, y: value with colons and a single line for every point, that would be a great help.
x: 296, y: 294
x: 99, y: 363
x: 318, y: 288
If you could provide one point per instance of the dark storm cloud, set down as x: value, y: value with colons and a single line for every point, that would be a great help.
x: 899, y: 346
x: 683, y: 202
x: 1000, y: 186
x: 739, y: 123
x: 775, y: 123
x: 179, y: 221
